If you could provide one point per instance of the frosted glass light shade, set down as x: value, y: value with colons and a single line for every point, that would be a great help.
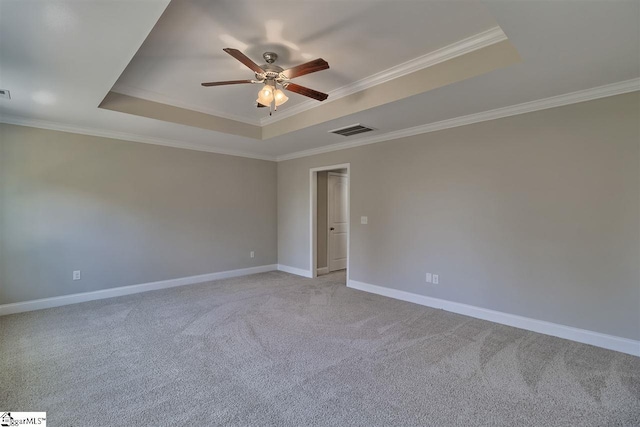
x: 280, y: 97
x: 265, y: 96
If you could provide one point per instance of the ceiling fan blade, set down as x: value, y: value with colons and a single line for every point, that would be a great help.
x: 306, y: 91
x: 260, y: 105
x: 306, y: 68
x: 244, y: 59
x: 228, y: 82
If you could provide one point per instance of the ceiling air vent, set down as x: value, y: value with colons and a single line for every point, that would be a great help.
x: 5, y: 94
x: 351, y: 130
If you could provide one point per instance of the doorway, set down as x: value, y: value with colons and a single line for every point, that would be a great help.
x: 337, y: 223
x: 330, y: 200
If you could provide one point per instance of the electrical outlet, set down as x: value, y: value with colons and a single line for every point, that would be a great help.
x: 436, y: 279
x: 252, y: 254
x: 76, y: 275
x: 428, y: 278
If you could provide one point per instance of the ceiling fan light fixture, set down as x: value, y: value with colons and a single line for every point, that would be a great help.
x: 280, y: 97
x: 273, y: 76
x: 265, y: 96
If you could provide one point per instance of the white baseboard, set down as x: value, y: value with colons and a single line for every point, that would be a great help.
x: 294, y: 270
x: 322, y: 270
x: 597, y: 339
x: 38, y: 304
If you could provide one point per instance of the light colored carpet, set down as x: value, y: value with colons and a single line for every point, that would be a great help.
x: 277, y: 349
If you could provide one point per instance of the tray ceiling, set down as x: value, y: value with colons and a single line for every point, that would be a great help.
x: 357, y: 38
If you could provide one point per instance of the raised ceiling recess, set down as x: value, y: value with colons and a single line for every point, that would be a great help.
x: 375, y: 59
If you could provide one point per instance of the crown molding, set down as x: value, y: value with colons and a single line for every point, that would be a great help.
x: 459, y: 48
x: 162, y: 99
x: 527, y: 107
x: 478, y: 41
x: 63, y: 127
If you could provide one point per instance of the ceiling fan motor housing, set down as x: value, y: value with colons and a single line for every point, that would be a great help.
x: 270, y: 57
x: 272, y: 71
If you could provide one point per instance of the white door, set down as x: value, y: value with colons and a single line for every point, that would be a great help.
x: 337, y: 221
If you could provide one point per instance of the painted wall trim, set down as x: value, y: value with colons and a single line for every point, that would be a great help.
x: 477, y: 41
x: 513, y: 110
x: 584, y: 336
x: 62, y: 127
x: 322, y: 270
x: 39, y: 304
x: 294, y: 270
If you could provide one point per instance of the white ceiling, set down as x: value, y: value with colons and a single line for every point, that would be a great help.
x: 60, y: 58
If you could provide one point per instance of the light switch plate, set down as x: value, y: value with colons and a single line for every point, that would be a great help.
x: 364, y: 220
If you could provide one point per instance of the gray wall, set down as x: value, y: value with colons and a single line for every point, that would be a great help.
x: 125, y: 213
x: 536, y: 214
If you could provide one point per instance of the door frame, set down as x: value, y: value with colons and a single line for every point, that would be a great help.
x: 329, y: 213
x: 313, y: 215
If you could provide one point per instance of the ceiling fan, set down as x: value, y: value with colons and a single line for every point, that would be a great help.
x: 273, y: 76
